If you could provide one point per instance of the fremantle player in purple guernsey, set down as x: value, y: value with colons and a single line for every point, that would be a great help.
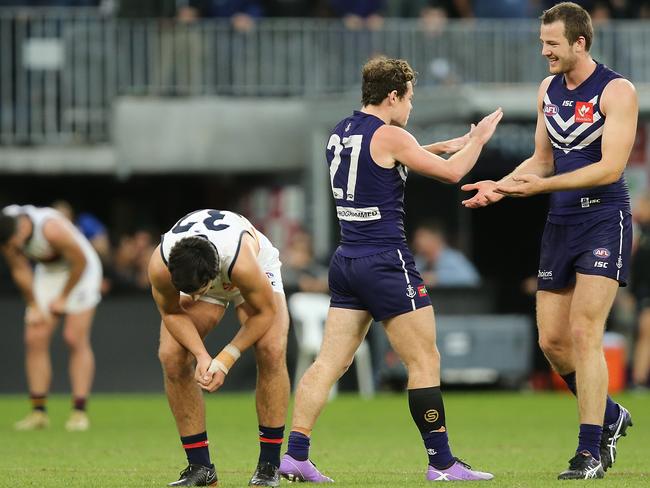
x: 372, y: 274
x: 586, y: 124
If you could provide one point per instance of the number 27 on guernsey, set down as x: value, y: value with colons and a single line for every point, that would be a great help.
x: 337, y: 145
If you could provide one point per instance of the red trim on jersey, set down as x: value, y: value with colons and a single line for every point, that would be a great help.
x: 196, y: 444
x: 271, y: 441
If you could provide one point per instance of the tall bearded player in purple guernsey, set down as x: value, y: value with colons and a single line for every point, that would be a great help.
x: 586, y: 124
x: 372, y: 274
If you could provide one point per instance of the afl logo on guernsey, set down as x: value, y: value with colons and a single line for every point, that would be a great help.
x: 601, y: 252
x: 550, y: 110
x: 584, y: 112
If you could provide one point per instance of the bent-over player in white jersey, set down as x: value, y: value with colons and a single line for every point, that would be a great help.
x: 65, y: 281
x: 207, y: 260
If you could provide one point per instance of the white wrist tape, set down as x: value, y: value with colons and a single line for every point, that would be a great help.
x: 216, y: 365
x: 236, y: 353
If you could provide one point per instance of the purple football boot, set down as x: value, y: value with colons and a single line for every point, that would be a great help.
x: 459, y: 471
x: 295, y: 470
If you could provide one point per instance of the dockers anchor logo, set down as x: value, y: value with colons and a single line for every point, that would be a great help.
x: 410, y: 291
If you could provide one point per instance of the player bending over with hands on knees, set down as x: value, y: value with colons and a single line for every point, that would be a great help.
x: 65, y: 282
x: 209, y: 259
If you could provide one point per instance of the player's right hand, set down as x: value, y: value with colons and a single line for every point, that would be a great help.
x: 485, y: 194
x: 202, y: 375
x: 34, y: 315
x: 217, y: 380
x: 486, y: 127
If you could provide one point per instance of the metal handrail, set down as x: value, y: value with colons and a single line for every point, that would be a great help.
x: 60, y: 69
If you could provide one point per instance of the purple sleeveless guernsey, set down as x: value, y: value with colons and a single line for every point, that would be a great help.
x: 369, y: 199
x: 574, y: 124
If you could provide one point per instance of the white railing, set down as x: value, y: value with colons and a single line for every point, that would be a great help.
x: 61, y: 69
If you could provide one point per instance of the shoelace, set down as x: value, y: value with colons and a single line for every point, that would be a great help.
x: 463, y: 463
x: 267, y: 469
x: 574, y: 463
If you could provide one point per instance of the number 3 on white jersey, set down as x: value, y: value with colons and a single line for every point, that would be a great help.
x: 351, y: 142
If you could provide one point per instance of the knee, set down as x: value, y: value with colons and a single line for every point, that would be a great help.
x: 330, y: 368
x: 177, y: 364
x: 37, y: 337
x: 584, y: 336
x: 423, y: 362
x: 74, y: 340
x: 553, y: 346
x: 271, y: 355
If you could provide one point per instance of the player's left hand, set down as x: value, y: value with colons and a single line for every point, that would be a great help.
x: 215, y: 383
x: 454, y: 145
x: 57, y: 307
x: 525, y: 186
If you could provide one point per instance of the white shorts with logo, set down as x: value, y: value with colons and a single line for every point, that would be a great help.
x: 50, y: 279
x: 269, y: 260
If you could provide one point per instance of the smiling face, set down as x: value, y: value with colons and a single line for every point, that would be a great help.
x: 562, y: 56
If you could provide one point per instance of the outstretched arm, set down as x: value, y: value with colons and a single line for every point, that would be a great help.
x: 450, y: 146
x: 619, y: 104
x: 392, y: 144
x: 540, y: 163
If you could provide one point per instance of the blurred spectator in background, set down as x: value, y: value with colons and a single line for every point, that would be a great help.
x: 146, y: 9
x: 439, y: 264
x: 242, y: 13
x: 405, y: 8
x: 90, y: 226
x: 494, y: 9
x: 291, y: 8
x: 130, y: 261
x: 177, y: 57
x: 359, y: 14
x: 641, y: 289
x: 300, y: 270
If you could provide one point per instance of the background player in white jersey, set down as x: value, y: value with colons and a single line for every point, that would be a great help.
x: 66, y: 282
x: 586, y: 125
x: 207, y: 260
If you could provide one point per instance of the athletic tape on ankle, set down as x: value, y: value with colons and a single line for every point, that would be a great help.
x: 225, y: 359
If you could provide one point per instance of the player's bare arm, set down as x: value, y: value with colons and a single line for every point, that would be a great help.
x: 64, y: 243
x: 23, y: 276
x: 248, y: 276
x: 176, y: 320
x: 450, y: 146
x: 256, y: 291
x: 620, y: 106
x: 392, y: 144
x: 540, y: 163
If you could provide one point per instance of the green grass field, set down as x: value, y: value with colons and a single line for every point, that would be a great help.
x: 524, y: 439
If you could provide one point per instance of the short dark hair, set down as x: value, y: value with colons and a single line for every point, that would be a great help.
x: 577, y: 21
x: 7, y: 228
x: 193, y: 262
x: 381, y: 76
